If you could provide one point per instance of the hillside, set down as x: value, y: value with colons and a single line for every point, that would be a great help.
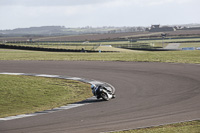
x: 61, y: 30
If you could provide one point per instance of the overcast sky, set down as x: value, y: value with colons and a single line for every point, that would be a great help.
x: 96, y: 13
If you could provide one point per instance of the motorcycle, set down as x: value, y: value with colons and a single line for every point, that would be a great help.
x: 102, y: 91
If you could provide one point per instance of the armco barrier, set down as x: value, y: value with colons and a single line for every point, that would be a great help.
x: 189, y: 48
x: 42, y: 49
x: 47, y: 49
x: 152, y: 49
x: 198, y: 48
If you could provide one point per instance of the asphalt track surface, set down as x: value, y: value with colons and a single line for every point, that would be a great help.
x: 147, y: 94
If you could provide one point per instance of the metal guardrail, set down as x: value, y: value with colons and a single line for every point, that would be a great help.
x: 48, y: 49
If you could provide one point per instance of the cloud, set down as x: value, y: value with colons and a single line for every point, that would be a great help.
x: 147, y: 2
x: 110, y: 3
x: 50, y: 2
x: 77, y: 13
x: 164, y: 2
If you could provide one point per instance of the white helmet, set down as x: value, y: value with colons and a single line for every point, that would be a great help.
x: 93, y: 86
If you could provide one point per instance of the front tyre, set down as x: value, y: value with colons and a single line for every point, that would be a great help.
x: 105, y: 96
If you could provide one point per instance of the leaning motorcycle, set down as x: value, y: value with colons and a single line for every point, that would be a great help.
x: 103, y: 91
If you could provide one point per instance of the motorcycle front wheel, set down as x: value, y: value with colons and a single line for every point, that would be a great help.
x: 105, y: 96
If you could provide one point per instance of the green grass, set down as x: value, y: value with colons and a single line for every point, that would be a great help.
x: 158, y: 43
x: 163, y: 56
x: 184, y: 127
x: 170, y: 40
x: 94, y: 45
x: 183, y: 45
x: 28, y: 94
x: 88, y: 44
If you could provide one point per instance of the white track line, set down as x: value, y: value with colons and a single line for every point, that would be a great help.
x: 69, y: 106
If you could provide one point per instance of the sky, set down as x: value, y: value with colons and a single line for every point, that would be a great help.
x: 96, y: 13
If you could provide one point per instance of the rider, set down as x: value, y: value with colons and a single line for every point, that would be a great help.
x: 96, y: 90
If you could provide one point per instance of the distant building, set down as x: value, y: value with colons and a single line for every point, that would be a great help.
x: 186, y: 28
x: 157, y: 28
x: 178, y: 27
x: 191, y: 28
x: 30, y: 40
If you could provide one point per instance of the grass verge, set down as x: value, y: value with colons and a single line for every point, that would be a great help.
x: 28, y: 94
x: 184, y: 127
x: 161, y: 56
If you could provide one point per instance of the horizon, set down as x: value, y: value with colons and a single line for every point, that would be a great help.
x: 99, y: 26
x: 97, y: 13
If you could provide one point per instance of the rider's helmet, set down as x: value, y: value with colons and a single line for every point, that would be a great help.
x: 93, y: 86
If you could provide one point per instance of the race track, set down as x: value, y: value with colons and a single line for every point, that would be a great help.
x: 147, y: 94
